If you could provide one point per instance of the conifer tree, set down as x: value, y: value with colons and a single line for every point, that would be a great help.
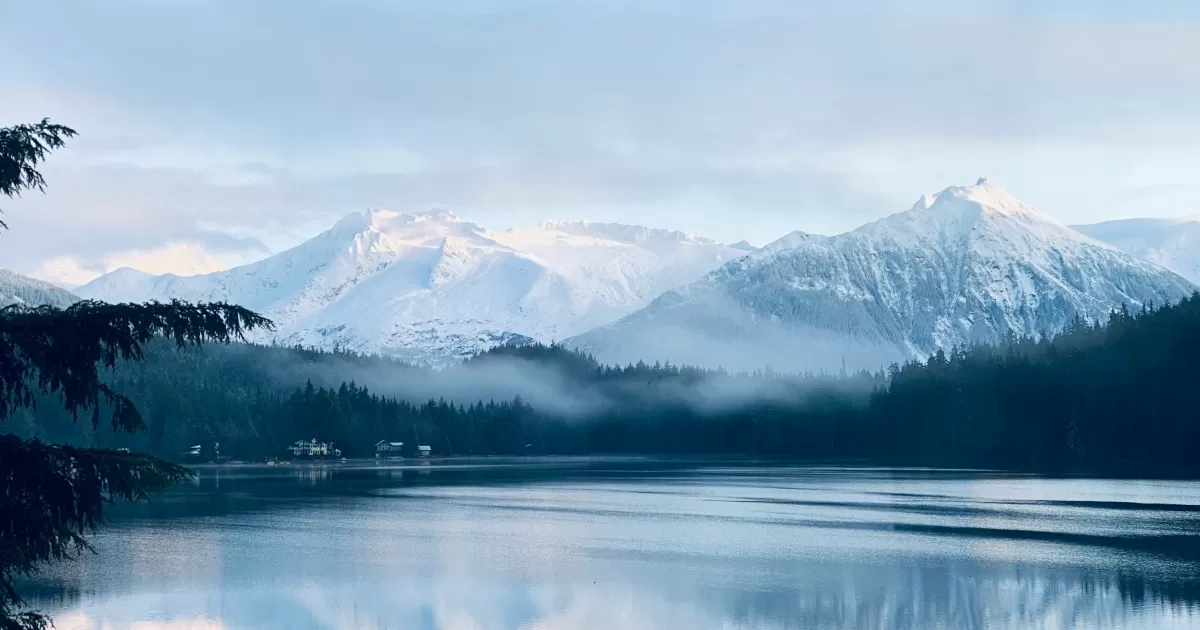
x: 52, y: 496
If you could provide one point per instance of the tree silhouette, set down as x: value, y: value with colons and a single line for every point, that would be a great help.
x: 22, y: 148
x: 54, y: 495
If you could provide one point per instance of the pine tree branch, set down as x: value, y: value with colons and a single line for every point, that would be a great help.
x: 22, y: 148
x: 55, y: 495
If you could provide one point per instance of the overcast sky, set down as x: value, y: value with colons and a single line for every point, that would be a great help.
x: 213, y: 132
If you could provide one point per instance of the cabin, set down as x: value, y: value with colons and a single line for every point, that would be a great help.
x: 424, y: 451
x: 313, y: 448
x: 384, y: 448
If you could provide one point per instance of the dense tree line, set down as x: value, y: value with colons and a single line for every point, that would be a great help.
x: 1111, y: 396
x: 1107, y: 396
x: 255, y: 400
x: 238, y: 398
x: 1114, y: 397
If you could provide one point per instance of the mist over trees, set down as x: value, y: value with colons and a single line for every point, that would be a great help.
x: 1111, y: 396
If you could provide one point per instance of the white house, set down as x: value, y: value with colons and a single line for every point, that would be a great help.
x: 313, y: 448
x: 424, y: 451
x: 384, y: 448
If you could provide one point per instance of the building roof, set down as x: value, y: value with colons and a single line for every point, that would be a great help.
x: 424, y: 448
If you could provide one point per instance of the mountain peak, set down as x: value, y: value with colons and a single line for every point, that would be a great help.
x: 792, y: 240
x: 433, y: 214
x: 924, y: 202
x: 982, y: 198
x: 383, y: 220
x: 984, y: 192
x: 959, y: 212
x: 129, y: 272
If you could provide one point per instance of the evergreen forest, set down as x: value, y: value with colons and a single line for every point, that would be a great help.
x: 1112, y: 396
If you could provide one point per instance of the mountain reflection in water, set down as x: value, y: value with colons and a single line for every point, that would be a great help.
x: 638, y: 543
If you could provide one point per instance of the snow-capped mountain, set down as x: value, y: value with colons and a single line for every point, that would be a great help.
x: 18, y: 289
x: 965, y: 265
x: 792, y: 240
x: 787, y: 241
x: 1171, y: 243
x: 429, y: 287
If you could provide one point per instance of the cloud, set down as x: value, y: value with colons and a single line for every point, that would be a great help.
x: 183, y: 259
x: 732, y: 120
x: 66, y: 272
x: 99, y: 214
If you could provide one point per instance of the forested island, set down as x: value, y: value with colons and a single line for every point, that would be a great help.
x: 1113, y: 396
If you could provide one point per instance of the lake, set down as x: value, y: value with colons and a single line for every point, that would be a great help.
x: 603, y: 543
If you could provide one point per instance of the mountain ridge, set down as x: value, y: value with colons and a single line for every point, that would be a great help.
x: 966, y: 265
x: 1173, y: 243
x: 429, y: 287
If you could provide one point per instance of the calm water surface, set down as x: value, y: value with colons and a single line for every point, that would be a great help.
x: 630, y: 544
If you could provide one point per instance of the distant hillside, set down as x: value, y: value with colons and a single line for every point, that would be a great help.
x: 18, y: 289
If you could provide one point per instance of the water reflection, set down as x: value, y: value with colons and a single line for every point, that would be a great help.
x: 389, y: 473
x: 862, y: 597
x: 640, y: 544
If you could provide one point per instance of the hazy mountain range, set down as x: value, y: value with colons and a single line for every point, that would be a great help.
x: 965, y: 265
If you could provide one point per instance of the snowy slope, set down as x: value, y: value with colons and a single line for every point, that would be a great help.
x: 429, y: 287
x: 1170, y: 243
x: 965, y: 265
x: 792, y: 240
x: 18, y: 289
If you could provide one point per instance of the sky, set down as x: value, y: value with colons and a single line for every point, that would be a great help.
x: 215, y: 132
